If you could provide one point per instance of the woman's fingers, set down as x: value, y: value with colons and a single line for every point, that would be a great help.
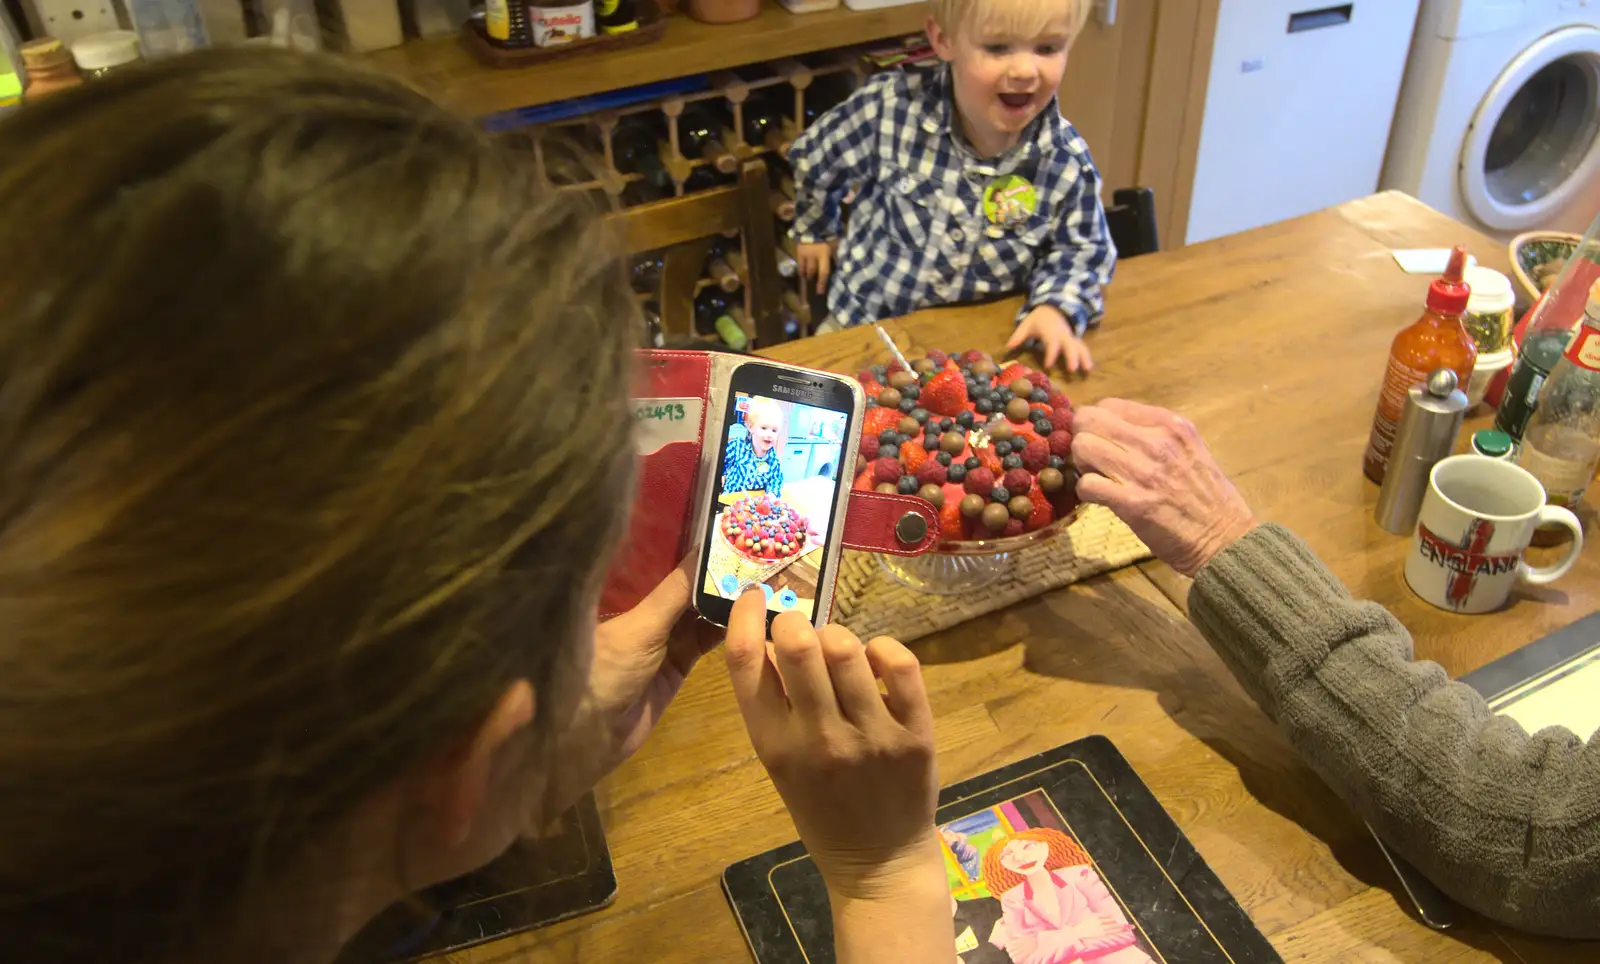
x: 755, y: 680
x: 804, y: 671
x: 907, y: 697
x: 1095, y: 453
x: 853, y: 682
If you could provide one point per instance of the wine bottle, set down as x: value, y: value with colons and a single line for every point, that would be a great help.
x: 716, y: 316
x: 704, y: 179
x: 615, y: 16
x: 788, y: 267
x: 722, y: 273
x: 699, y: 138
x: 653, y: 335
x: 764, y: 128
x: 645, y: 271
x: 636, y: 150
x: 782, y: 207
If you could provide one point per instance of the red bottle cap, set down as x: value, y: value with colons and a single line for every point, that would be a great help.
x: 1448, y: 294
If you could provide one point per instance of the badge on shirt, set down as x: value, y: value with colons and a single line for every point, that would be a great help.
x: 1009, y: 200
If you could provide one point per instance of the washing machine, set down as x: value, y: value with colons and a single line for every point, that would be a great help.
x: 1499, y: 118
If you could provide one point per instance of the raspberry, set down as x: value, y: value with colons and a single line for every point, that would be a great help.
x: 972, y: 357
x: 1036, y: 456
x: 886, y: 470
x: 980, y: 481
x: 869, y: 447
x: 1060, y: 443
x: 1058, y: 400
x: 937, y: 357
x: 865, y: 375
x: 1013, y: 528
x: 931, y: 473
x: 1061, y: 418
x: 1017, y: 481
x: 1039, y: 379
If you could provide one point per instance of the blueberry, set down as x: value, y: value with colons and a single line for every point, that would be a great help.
x: 1034, y: 414
x: 1002, y: 396
x: 1012, y: 461
x: 1039, y: 396
x: 1002, y: 449
x: 907, y: 405
x: 908, y: 485
x: 888, y: 437
x: 872, y: 402
x: 888, y: 451
x: 984, y: 406
x: 882, y: 371
x: 930, y: 442
x: 912, y: 392
x: 920, y: 414
x: 1055, y: 461
x: 973, y: 463
x: 965, y: 419
x: 946, y: 424
x: 943, y: 458
x: 957, y: 473
x: 1044, y: 426
x: 1000, y: 494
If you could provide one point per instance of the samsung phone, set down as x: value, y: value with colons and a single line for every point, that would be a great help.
x: 780, y: 456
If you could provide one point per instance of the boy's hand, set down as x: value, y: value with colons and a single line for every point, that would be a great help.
x: 815, y: 261
x: 854, y: 766
x: 1050, y: 326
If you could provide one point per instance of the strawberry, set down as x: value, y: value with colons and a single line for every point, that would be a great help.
x: 930, y: 472
x: 871, y: 388
x: 865, y: 375
x: 1013, y: 528
x: 1017, y: 481
x: 950, y: 520
x: 863, y: 481
x: 869, y: 447
x: 980, y: 480
x: 1036, y: 455
x: 1012, y: 372
x: 1039, y: 379
x: 937, y: 357
x: 886, y: 470
x: 1043, y: 512
x: 879, y: 420
x: 912, y: 455
x: 990, y: 460
x: 945, y: 393
x: 1060, y: 443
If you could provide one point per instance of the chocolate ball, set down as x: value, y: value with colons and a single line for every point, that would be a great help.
x: 909, y: 426
x: 995, y: 517
x: 861, y: 464
x: 1051, y: 480
x: 1020, y: 507
x: 932, y: 494
x: 1017, y: 410
x: 888, y: 487
x: 972, y: 506
x: 984, y: 367
x: 953, y: 442
x: 889, y: 398
x: 923, y: 365
x: 901, y: 380
x: 1021, y: 387
x: 1000, y: 432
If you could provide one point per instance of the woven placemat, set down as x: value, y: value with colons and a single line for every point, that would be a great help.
x: 870, y: 602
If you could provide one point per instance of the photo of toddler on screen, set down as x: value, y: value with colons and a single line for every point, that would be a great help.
x: 780, y: 469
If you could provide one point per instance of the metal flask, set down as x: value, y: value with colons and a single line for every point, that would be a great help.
x: 1427, y: 433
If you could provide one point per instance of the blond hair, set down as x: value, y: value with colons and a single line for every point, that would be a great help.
x: 762, y: 405
x: 1023, y: 18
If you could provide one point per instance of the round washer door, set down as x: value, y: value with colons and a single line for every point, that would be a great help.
x: 1534, y: 144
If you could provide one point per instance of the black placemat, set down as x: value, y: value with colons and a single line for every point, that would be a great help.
x: 537, y: 882
x: 1113, y: 849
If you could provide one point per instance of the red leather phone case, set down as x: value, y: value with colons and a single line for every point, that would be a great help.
x: 673, y: 462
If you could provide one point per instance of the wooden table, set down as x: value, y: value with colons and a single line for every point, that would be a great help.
x: 1273, y: 343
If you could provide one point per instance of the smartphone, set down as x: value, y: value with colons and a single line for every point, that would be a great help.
x: 783, y: 452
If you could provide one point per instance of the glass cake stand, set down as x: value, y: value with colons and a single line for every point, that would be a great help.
x: 956, y: 568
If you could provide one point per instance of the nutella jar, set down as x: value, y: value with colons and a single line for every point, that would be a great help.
x: 557, y: 22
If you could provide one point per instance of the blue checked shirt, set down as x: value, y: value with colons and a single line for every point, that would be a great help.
x: 742, y: 471
x: 918, y: 236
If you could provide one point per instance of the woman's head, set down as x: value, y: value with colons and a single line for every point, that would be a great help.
x: 1012, y: 858
x: 301, y: 388
x: 763, y: 418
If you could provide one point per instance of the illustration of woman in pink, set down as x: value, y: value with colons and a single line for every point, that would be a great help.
x: 1055, y: 908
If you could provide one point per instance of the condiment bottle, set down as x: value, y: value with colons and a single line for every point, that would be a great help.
x: 1427, y: 433
x: 1491, y: 443
x: 49, y: 67
x: 1489, y: 309
x: 1547, y: 330
x: 101, y: 54
x: 1436, y: 340
x: 1561, y: 444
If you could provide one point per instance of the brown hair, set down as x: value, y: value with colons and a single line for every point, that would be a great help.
x: 308, y: 401
x: 1064, y: 852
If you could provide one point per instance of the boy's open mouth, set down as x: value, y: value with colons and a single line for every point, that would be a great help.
x: 1016, y: 101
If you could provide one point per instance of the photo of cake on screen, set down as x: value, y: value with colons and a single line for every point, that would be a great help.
x: 775, y: 501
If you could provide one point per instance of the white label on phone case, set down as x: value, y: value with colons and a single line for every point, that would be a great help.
x: 658, y: 422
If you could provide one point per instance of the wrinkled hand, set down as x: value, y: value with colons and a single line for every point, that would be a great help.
x: 1151, y: 468
x: 815, y: 260
x: 1053, y: 331
x: 854, y: 766
x: 641, y: 659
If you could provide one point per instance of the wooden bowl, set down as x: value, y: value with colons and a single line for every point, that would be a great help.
x: 1534, y: 248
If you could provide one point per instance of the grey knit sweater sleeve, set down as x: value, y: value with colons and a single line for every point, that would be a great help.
x: 1506, y: 823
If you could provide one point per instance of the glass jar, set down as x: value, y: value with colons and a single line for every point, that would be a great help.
x: 100, y: 54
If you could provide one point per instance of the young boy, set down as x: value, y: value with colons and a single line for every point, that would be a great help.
x: 970, y: 184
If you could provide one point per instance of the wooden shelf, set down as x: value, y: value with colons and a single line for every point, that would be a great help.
x: 445, y: 69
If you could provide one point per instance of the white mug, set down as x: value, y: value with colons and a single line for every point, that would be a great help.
x: 1476, y: 520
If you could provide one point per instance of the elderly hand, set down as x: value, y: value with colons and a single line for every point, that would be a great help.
x: 1149, y: 466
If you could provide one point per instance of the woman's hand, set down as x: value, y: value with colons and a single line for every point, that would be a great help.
x: 641, y: 659
x: 854, y: 766
x: 1150, y: 467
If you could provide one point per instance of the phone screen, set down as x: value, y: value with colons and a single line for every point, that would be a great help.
x: 776, y: 490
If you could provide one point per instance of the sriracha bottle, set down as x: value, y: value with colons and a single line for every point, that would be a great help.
x: 1436, y: 340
